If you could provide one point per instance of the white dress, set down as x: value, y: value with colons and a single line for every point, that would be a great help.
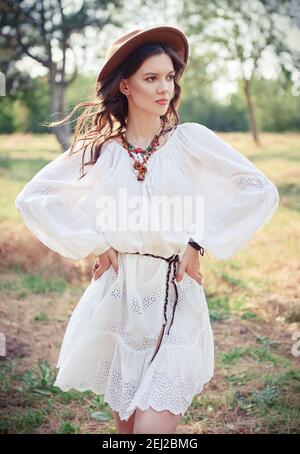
x: 114, y: 329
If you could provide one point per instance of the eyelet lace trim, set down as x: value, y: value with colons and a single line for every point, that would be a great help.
x: 138, y: 306
x: 253, y: 182
x: 37, y: 188
x: 141, y: 343
x: 45, y: 189
x: 175, y: 394
x: 163, y: 391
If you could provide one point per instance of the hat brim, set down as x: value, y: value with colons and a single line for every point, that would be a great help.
x: 168, y: 35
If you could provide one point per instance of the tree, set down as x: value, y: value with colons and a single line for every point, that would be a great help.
x: 42, y: 30
x: 243, y: 32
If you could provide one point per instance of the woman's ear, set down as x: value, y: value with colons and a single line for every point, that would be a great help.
x: 123, y: 87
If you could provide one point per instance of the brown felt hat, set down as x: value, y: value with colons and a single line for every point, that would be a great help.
x: 125, y: 44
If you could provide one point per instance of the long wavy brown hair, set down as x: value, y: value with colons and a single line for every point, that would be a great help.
x: 105, y: 116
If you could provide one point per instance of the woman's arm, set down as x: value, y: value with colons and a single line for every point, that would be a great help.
x: 52, y: 205
x: 237, y: 197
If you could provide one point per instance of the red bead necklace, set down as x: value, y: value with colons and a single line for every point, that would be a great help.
x: 140, y: 161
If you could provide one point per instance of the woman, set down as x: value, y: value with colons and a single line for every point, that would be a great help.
x: 141, y: 334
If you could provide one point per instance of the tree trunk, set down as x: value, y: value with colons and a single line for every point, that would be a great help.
x: 63, y: 132
x: 250, y: 111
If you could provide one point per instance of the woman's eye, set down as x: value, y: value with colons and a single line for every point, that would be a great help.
x: 153, y: 77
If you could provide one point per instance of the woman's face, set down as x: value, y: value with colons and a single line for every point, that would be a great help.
x: 152, y: 81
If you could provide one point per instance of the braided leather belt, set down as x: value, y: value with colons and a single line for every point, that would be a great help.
x: 172, y: 261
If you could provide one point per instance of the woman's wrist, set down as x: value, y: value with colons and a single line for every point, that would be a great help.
x: 192, y: 250
x: 196, y: 246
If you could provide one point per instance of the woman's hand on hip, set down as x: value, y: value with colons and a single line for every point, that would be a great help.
x: 190, y: 263
x: 104, y: 261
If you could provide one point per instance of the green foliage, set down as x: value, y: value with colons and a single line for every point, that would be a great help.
x: 39, y: 380
x: 27, y: 283
x: 41, y: 317
x: 22, y: 421
x: 68, y: 428
x: 218, y: 307
x: 36, y: 283
x: 276, y: 108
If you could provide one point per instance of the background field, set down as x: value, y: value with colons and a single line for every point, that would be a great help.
x: 253, y: 300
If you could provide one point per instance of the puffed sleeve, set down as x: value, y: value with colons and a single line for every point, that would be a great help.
x: 52, y: 205
x: 235, y: 197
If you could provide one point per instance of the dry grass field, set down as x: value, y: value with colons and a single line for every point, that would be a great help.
x: 253, y: 301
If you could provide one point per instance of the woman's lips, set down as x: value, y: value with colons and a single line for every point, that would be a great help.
x: 162, y: 102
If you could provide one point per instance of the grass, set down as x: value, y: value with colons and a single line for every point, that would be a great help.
x: 257, y: 353
x: 26, y: 421
x: 25, y: 284
x: 222, y: 307
x: 68, y: 428
x: 33, y: 391
x: 253, y: 300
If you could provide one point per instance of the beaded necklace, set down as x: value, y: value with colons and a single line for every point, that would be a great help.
x: 142, y: 156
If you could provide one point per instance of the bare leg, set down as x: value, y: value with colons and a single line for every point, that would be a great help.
x: 123, y: 427
x: 155, y: 422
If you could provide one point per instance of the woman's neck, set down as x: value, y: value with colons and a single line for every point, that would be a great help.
x: 139, y: 133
